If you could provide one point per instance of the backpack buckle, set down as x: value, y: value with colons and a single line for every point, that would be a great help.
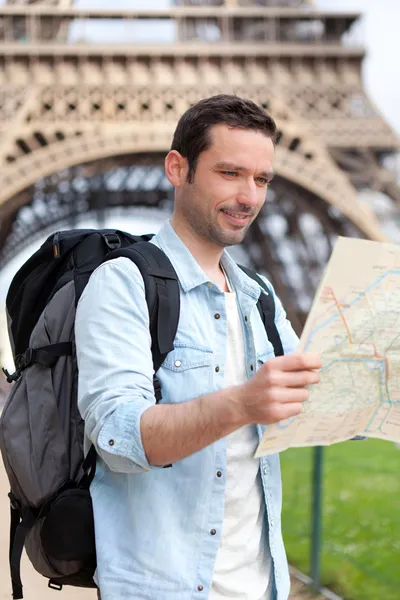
x: 15, y: 504
x: 112, y: 241
x: 54, y: 585
x: 22, y: 361
x: 11, y: 377
x: 28, y: 357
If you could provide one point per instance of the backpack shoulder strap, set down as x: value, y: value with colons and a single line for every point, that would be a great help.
x: 266, y: 308
x: 162, y: 295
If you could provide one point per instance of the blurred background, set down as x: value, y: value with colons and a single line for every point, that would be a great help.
x: 90, y: 93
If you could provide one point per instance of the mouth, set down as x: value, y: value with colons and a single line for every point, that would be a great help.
x: 236, y: 218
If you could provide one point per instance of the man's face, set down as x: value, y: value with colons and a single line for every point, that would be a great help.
x: 229, y: 185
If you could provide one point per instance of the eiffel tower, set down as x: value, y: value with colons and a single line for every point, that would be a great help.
x: 85, y: 122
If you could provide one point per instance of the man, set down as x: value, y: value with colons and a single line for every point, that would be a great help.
x: 209, y: 526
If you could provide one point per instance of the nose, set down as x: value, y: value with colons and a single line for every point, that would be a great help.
x: 248, y: 194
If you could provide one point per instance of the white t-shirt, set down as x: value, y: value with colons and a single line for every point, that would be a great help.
x: 243, y: 563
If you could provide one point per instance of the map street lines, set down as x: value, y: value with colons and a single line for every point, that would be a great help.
x: 354, y: 325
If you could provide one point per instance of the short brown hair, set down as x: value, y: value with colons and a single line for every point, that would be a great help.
x: 192, y: 134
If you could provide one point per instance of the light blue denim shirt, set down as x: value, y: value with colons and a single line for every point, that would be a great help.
x: 152, y: 524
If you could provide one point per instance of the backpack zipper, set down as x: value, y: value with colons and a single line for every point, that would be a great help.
x: 56, y: 245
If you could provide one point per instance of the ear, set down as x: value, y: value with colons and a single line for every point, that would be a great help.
x: 176, y: 168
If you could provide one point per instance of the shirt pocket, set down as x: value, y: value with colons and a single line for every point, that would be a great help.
x: 186, y: 373
x: 266, y: 354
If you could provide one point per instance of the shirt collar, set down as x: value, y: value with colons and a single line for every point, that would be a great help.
x: 239, y: 279
x: 190, y: 273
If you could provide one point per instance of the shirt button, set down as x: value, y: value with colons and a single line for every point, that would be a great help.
x: 209, y: 284
x: 265, y: 470
x: 200, y: 588
x: 213, y: 532
x: 111, y: 442
x: 217, y: 369
x: 246, y: 319
x: 251, y: 368
x: 219, y: 474
x: 217, y: 316
x: 178, y: 363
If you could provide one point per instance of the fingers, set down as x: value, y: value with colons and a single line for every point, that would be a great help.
x: 281, y: 386
x: 280, y: 412
x: 290, y: 395
x: 307, y: 361
x: 302, y: 378
x: 291, y: 379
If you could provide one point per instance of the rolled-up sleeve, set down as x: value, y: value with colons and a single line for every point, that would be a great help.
x: 289, y: 339
x: 113, y: 348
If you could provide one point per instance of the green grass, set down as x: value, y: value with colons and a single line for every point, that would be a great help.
x: 361, y: 517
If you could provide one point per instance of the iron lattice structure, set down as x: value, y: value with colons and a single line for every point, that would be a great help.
x: 85, y: 122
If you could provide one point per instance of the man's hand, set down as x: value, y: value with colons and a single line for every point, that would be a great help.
x: 171, y: 432
x: 279, y: 388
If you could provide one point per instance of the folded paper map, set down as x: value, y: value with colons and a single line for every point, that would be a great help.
x: 354, y: 325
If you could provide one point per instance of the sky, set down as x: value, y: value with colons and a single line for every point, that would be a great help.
x: 380, y: 32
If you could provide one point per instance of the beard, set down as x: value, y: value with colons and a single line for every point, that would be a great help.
x: 205, y: 224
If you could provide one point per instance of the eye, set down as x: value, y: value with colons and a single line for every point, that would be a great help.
x: 229, y: 173
x: 262, y: 180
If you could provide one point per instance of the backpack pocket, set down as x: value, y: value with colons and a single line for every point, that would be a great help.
x: 67, y: 532
x: 61, y: 544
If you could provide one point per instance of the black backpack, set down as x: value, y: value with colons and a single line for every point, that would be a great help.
x: 41, y: 430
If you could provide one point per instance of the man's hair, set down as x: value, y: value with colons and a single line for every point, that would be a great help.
x: 192, y: 134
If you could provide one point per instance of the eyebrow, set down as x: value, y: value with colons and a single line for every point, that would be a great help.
x: 226, y: 166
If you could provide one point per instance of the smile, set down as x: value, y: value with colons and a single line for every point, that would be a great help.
x: 236, y: 215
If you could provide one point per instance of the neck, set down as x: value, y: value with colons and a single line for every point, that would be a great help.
x: 206, y: 255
